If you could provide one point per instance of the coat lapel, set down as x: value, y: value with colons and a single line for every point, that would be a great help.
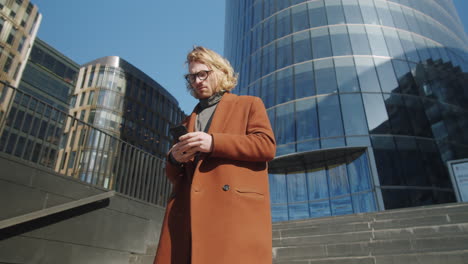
x: 223, y: 113
x: 191, y: 122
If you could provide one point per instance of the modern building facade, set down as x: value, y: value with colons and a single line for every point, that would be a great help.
x: 19, y: 22
x: 35, y: 122
x: 120, y: 100
x: 367, y: 98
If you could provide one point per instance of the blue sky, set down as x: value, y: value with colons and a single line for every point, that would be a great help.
x: 153, y: 35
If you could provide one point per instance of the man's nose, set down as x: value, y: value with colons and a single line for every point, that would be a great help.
x: 198, y: 80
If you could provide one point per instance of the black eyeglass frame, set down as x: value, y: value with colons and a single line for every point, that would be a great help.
x: 192, y: 77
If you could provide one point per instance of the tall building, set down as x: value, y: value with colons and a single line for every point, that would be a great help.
x: 367, y: 98
x: 19, y: 22
x: 34, y: 129
x: 120, y: 100
x: 49, y: 75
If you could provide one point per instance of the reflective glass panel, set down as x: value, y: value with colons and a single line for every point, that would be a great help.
x: 352, y: 12
x: 399, y: 118
x: 284, y: 84
x: 342, y: 206
x: 317, y: 184
x: 364, y: 202
x: 320, y: 208
x: 354, y: 118
x: 376, y: 113
x: 300, y: 17
x: 268, y: 59
x: 306, y: 115
x: 283, y: 23
x: 304, y: 80
x: 340, y: 42
x: 284, y: 125
x: 359, y: 174
x: 346, y: 75
x: 393, y: 43
x: 302, y: 47
x: 367, y: 74
x: 408, y: 46
x: 385, y: 18
x: 325, y: 77
x: 397, y: 15
x: 283, y: 53
x: 321, y: 46
x: 368, y: 12
x: 338, y: 180
x: 335, y: 13
x: 377, y: 41
x: 317, y: 13
x: 329, y: 116
x: 359, y: 41
x: 268, y: 90
x: 297, y: 196
x: 387, y: 78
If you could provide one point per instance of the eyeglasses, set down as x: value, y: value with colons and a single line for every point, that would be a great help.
x: 192, y: 77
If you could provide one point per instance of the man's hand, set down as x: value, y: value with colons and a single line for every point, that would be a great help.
x: 190, y: 144
x: 197, y: 142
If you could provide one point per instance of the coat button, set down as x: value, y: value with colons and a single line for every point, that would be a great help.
x: 226, y: 187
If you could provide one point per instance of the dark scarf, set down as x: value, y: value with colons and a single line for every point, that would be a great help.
x: 210, y: 101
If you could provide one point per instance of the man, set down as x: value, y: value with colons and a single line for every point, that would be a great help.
x: 219, y: 211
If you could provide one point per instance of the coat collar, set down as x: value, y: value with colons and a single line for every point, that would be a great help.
x: 222, y: 113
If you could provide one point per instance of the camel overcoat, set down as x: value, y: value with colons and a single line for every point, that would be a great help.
x: 219, y: 211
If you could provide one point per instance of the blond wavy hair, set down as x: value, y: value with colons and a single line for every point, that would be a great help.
x: 225, y: 75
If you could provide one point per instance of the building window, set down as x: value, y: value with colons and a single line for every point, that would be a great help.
x: 71, y: 161
x: 17, y: 71
x: 8, y: 63
x: 91, y: 98
x: 73, y: 101
x: 82, y: 99
x: 2, y: 21
x: 11, y: 37
x: 21, y: 44
x: 82, y: 115
x: 91, y: 77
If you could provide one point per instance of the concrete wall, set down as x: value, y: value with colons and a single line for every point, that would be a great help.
x: 116, y: 230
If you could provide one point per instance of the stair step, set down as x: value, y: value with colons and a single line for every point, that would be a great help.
x: 459, y: 217
x: 448, y: 257
x: 422, y: 231
x: 331, y: 228
x: 452, y: 212
x: 373, y: 248
x: 316, y: 230
x: 368, y: 235
x: 346, y: 260
x: 324, y: 238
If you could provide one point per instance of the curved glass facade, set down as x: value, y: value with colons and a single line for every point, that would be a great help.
x: 368, y: 99
x: 119, y: 99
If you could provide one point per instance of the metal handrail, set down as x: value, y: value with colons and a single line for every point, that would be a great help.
x: 42, y: 134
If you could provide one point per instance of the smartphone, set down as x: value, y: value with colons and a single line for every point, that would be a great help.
x: 178, y: 131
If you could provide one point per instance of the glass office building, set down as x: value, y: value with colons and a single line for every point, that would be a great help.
x: 33, y: 129
x: 368, y: 99
x: 120, y: 100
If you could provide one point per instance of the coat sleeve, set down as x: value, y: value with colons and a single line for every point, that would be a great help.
x: 258, y: 144
x: 174, y: 172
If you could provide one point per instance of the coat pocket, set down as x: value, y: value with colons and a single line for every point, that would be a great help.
x: 250, y: 193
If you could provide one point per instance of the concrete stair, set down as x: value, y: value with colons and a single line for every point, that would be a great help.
x: 429, y: 235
